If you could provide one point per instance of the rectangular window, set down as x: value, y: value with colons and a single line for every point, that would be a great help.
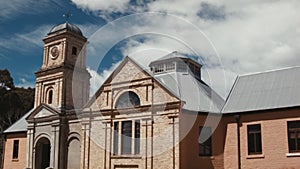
x: 129, y: 139
x: 170, y: 66
x: 74, y: 51
x: 16, y: 149
x: 294, y: 136
x: 205, y: 145
x: 126, y: 137
x: 181, y: 67
x: 254, y: 139
x: 116, y: 137
x: 137, y: 138
x: 158, y: 68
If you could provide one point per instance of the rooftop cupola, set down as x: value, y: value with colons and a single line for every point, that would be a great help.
x: 176, y: 62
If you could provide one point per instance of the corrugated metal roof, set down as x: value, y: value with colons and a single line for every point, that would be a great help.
x: 196, y: 95
x: 265, y: 90
x: 20, y: 125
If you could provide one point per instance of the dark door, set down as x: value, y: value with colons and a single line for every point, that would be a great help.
x: 42, y: 154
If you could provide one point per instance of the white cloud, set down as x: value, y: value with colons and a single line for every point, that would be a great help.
x: 103, y: 6
x: 251, y: 36
x: 98, y: 79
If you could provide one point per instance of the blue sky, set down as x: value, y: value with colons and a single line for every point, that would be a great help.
x: 22, y: 28
x: 234, y: 37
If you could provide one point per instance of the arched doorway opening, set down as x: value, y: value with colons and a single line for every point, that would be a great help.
x: 74, y: 154
x: 42, y: 153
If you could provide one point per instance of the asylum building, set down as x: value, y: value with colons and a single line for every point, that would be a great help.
x: 164, y: 117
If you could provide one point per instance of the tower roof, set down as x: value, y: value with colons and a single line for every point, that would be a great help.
x: 174, y: 56
x: 66, y: 26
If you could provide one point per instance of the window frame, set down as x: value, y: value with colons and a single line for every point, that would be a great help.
x: 50, y: 96
x: 118, y: 140
x: 127, y: 99
x: 257, y: 148
x: 16, y: 147
x: 74, y: 50
x: 296, y: 131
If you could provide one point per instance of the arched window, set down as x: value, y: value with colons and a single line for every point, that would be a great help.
x: 128, y: 100
x: 50, y: 96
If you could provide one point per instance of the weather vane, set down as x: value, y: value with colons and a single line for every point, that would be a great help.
x: 67, y: 15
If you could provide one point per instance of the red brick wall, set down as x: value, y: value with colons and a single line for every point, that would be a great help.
x: 9, y: 162
x: 189, y: 146
x: 275, y: 153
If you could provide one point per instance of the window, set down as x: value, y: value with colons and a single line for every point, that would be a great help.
x: 195, y: 69
x: 128, y: 100
x: 170, y: 66
x: 205, y: 146
x: 126, y: 137
x: 74, y: 50
x: 137, y: 138
x: 294, y: 136
x: 116, y: 138
x: 254, y: 139
x: 181, y: 67
x: 129, y: 138
x: 50, y: 96
x: 16, y: 149
x: 158, y: 68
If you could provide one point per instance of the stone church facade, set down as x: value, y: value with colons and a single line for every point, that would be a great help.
x: 162, y: 118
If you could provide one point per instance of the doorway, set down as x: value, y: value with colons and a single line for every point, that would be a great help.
x: 42, y: 153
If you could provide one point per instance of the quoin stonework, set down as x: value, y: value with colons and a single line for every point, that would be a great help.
x: 161, y: 117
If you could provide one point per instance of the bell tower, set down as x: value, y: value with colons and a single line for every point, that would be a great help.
x: 63, y: 81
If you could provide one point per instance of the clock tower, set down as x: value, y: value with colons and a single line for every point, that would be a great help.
x: 63, y: 81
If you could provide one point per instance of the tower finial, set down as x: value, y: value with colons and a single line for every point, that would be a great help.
x: 67, y: 15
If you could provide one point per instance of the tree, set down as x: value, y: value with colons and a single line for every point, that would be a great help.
x: 14, y: 101
x: 5, y: 79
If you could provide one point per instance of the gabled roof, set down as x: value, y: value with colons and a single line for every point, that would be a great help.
x: 117, y: 70
x: 41, y: 111
x: 20, y: 125
x: 196, y: 94
x: 265, y: 90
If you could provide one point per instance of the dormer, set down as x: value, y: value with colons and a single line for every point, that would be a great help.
x: 176, y: 62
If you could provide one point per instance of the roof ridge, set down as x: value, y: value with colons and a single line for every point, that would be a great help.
x: 269, y: 71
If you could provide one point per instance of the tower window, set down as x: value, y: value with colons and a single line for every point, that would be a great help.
x: 50, y: 96
x: 170, y: 66
x: 159, y: 68
x: 74, y: 50
x: 181, y: 67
